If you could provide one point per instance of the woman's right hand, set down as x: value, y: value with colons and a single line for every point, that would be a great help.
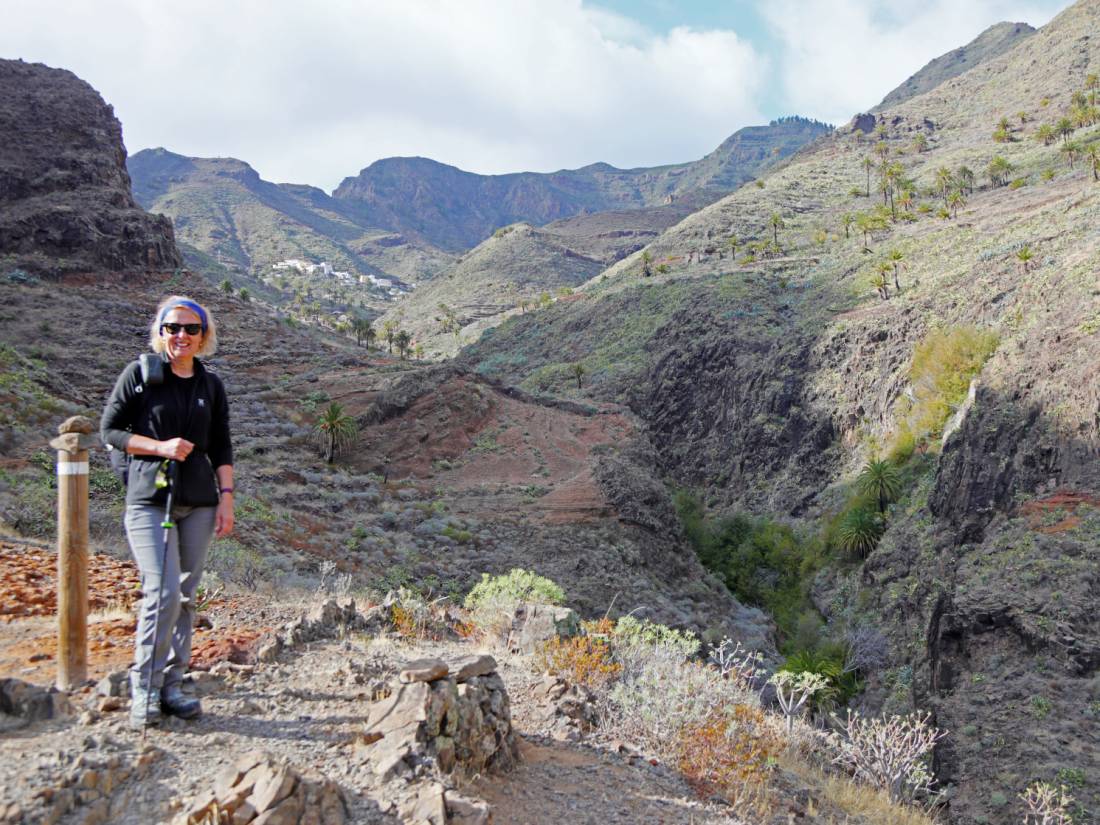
x: 176, y: 449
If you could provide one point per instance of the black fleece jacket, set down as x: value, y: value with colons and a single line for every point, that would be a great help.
x: 161, y: 412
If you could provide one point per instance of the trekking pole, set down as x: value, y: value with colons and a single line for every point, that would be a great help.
x: 167, y: 524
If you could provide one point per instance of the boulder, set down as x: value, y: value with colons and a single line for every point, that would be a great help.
x: 533, y: 624
x: 262, y: 790
x: 24, y: 703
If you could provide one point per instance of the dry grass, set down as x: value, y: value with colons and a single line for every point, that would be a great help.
x: 856, y: 802
x: 113, y: 610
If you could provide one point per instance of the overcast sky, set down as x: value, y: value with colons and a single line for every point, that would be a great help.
x: 312, y: 92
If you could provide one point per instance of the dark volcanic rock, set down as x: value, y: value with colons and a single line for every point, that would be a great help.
x: 65, y: 201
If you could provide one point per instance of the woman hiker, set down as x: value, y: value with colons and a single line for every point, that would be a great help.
x: 171, y: 420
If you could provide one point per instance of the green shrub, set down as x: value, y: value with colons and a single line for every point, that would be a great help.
x: 764, y: 563
x: 943, y: 365
x: 516, y: 586
x: 827, y: 661
x: 630, y: 632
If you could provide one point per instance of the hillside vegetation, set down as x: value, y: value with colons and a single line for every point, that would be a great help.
x: 783, y: 340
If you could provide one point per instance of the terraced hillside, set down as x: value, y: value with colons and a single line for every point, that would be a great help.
x: 777, y: 355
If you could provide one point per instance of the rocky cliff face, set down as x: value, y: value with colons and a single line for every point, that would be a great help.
x: 65, y: 201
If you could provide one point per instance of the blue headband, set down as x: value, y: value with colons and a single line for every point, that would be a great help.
x: 185, y: 304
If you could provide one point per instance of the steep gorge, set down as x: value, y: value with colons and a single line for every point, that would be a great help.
x: 765, y: 380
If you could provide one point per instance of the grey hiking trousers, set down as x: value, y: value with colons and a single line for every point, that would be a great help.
x: 188, y: 542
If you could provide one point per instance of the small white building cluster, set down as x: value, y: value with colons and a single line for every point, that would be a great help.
x: 325, y: 269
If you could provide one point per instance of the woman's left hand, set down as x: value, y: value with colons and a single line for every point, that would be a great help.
x: 223, y: 518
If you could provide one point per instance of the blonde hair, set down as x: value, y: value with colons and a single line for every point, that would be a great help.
x: 210, y: 332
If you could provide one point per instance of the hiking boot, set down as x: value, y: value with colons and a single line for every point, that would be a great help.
x: 174, y: 702
x: 144, y: 704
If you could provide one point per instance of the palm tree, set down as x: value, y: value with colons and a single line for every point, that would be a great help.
x: 1024, y: 256
x: 920, y: 142
x: 733, y: 243
x: 389, y: 331
x: 906, y: 200
x: 868, y: 222
x: 647, y: 260
x: 847, y: 219
x: 944, y: 181
x: 879, y: 479
x: 1071, y: 150
x: 1064, y: 128
x: 578, y: 370
x: 776, y: 223
x: 897, y: 260
x: 998, y: 170
x: 403, y: 339
x: 363, y: 330
x: 954, y: 201
x: 335, y: 431
x: 965, y: 176
x: 868, y: 164
x: 860, y: 531
x: 879, y: 281
x: 1045, y: 134
x: 1092, y: 160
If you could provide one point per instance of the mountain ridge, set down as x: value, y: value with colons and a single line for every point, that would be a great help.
x: 991, y: 43
x: 426, y: 196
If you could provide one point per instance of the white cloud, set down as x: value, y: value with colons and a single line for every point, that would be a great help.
x: 312, y: 92
x: 840, y: 57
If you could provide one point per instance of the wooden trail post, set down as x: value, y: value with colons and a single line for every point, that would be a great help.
x: 72, y: 445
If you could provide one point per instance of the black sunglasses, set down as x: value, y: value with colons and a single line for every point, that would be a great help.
x: 190, y: 329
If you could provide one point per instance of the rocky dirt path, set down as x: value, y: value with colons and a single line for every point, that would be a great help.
x: 309, y: 707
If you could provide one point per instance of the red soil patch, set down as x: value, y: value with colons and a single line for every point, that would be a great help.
x: 1066, y: 500
x: 28, y: 582
x: 33, y: 656
x: 467, y: 435
x: 237, y: 646
x: 28, y: 609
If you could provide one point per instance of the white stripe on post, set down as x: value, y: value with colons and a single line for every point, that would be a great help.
x: 72, y: 468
